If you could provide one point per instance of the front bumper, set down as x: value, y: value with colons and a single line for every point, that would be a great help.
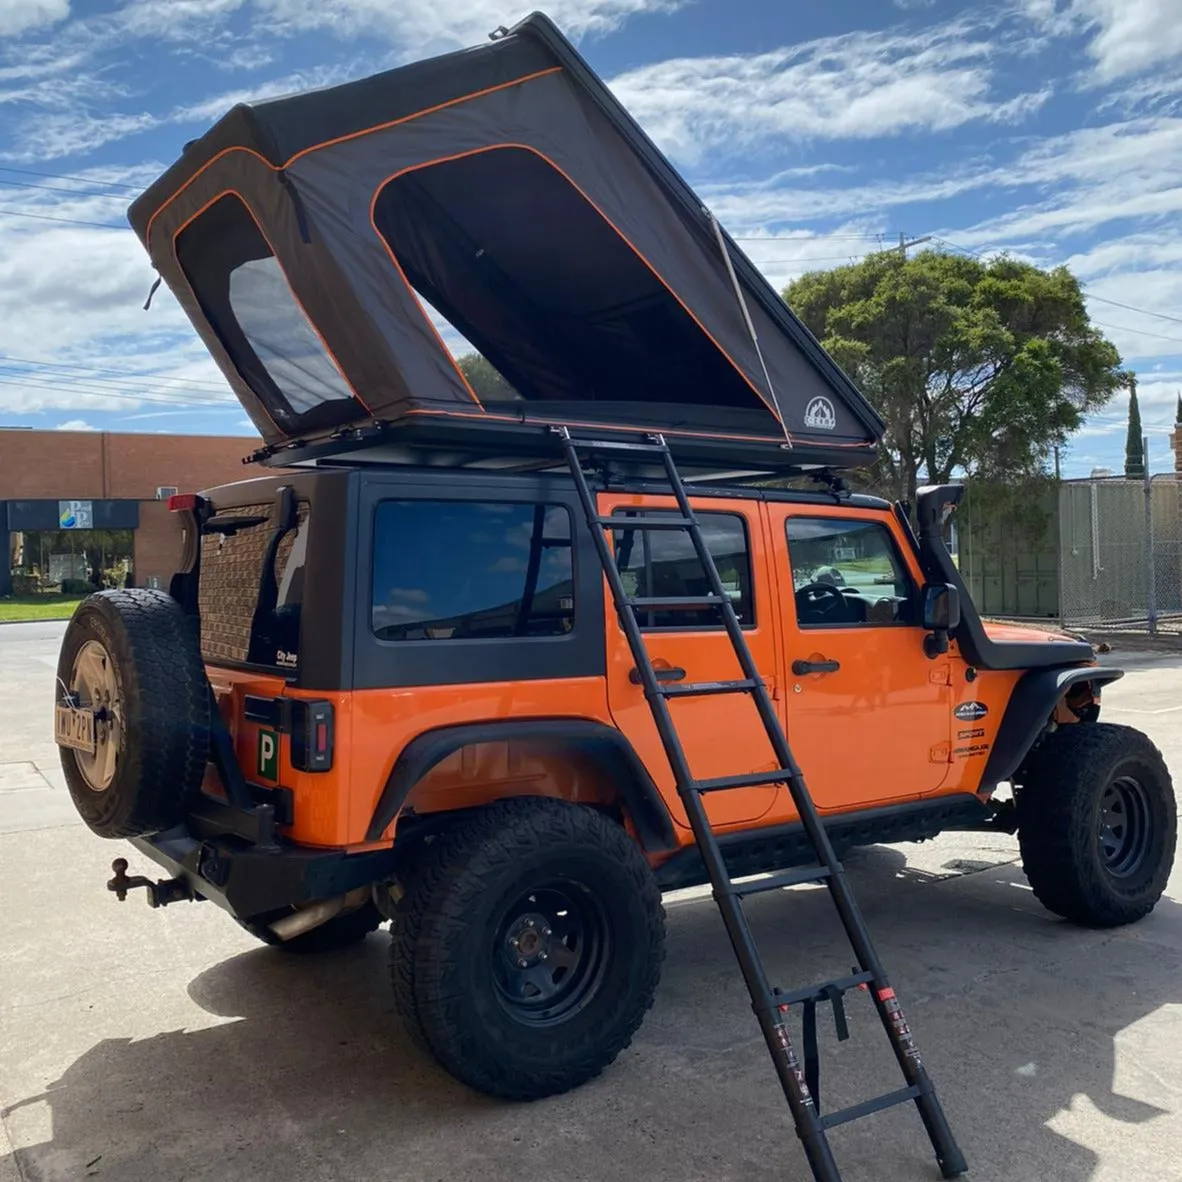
x: 249, y: 881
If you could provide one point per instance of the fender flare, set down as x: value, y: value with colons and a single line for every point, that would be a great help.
x: 611, y: 749
x: 1031, y: 703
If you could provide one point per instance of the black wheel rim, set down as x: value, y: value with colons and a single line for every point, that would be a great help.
x: 1125, y: 830
x: 550, y: 953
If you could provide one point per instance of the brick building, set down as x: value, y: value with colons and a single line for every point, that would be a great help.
x: 122, y: 482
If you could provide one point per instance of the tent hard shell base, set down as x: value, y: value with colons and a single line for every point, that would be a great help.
x: 501, y: 442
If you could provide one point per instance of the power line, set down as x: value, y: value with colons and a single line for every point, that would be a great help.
x: 1130, y: 308
x: 827, y: 258
x: 131, y: 375
x: 65, y: 176
x: 806, y: 238
x: 1139, y: 331
x: 59, y: 189
x: 91, y: 392
x: 34, y: 382
x: 103, y: 385
x: 45, y: 217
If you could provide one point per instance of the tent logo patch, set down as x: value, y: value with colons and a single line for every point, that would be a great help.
x: 820, y: 415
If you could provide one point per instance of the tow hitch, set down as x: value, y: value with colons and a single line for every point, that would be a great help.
x: 160, y: 893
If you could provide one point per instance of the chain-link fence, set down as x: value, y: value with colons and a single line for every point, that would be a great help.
x: 1120, y: 554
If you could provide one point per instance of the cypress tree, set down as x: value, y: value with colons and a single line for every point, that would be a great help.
x: 1134, y: 444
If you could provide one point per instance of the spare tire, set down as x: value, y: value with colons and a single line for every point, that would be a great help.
x: 133, y: 656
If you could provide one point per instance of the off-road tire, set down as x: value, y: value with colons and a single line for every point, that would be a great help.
x: 446, y: 941
x: 417, y: 879
x: 164, y: 738
x: 342, y: 931
x: 1059, y: 817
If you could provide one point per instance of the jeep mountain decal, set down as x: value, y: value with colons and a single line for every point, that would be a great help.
x: 970, y: 711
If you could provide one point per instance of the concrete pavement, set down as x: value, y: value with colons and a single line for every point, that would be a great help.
x: 168, y: 1046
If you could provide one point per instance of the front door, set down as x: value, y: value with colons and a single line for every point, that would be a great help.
x: 722, y: 734
x: 868, y: 714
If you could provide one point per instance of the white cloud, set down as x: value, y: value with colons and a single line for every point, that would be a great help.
x: 73, y: 333
x: 1128, y: 36
x: 426, y: 26
x: 21, y: 16
x: 72, y: 133
x: 785, y: 256
x: 856, y: 86
x: 213, y: 108
x: 75, y: 425
x: 171, y: 19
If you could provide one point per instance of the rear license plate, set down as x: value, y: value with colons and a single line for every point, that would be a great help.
x: 74, y: 728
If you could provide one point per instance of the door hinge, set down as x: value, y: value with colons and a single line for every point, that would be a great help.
x: 941, y: 753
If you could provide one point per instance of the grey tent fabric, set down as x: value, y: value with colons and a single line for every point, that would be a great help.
x: 507, y: 189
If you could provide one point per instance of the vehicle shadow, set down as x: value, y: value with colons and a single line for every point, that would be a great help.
x: 301, y: 1070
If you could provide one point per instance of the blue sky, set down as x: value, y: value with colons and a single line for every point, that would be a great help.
x: 1049, y: 128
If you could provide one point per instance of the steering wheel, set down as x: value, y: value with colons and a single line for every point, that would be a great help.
x: 823, y: 599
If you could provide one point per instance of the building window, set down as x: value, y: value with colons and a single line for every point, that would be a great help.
x: 664, y: 563
x: 459, y: 570
x: 847, y: 572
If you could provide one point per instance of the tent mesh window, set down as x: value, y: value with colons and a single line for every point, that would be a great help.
x: 534, y: 276
x: 245, y: 294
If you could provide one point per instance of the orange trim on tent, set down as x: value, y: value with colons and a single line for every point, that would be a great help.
x: 342, y: 139
x: 579, y: 190
x: 312, y: 324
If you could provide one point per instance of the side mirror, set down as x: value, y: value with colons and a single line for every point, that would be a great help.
x: 941, y: 607
x: 941, y: 614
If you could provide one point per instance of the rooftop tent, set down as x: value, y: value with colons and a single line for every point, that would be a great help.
x: 307, y: 237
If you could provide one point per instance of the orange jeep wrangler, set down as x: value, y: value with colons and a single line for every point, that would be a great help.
x: 390, y: 680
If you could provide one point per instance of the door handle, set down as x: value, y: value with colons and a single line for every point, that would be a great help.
x: 802, y: 667
x: 665, y: 673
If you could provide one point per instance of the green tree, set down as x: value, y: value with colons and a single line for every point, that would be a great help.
x: 1134, y: 441
x: 977, y: 368
x: 485, y: 380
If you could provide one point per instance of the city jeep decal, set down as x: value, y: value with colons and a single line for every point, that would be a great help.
x: 971, y: 711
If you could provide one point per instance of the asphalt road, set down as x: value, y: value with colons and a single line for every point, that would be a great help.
x: 143, y: 1046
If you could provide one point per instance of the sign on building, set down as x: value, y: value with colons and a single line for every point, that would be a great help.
x: 75, y: 514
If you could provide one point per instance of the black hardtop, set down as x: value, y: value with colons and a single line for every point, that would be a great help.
x: 491, y: 483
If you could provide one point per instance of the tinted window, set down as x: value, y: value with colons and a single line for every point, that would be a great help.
x: 847, y: 572
x: 282, y: 337
x: 457, y: 570
x: 249, y: 614
x: 245, y: 295
x: 664, y: 563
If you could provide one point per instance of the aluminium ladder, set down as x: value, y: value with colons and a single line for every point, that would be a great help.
x: 771, y: 1005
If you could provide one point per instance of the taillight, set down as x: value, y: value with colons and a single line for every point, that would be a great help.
x: 311, y: 735
x: 183, y: 502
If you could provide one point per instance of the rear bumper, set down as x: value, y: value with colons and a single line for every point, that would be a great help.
x: 249, y: 881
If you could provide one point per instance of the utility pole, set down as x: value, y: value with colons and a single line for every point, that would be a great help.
x: 904, y: 245
x: 1150, y: 564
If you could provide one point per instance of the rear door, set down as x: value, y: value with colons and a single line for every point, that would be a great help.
x: 721, y: 735
x: 868, y: 714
